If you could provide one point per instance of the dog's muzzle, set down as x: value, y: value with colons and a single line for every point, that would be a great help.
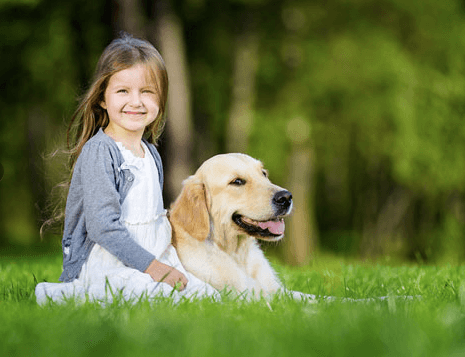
x: 271, y: 229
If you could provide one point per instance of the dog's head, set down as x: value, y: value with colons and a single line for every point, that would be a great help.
x: 231, y: 194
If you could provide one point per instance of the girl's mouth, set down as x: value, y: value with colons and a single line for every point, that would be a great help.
x: 134, y: 113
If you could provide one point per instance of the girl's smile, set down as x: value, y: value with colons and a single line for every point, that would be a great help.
x: 131, y: 102
x: 135, y: 113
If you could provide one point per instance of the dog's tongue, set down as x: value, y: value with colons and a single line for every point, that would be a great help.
x: 275, y: 227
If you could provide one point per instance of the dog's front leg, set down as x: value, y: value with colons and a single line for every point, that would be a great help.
x: 210, y: 264
x: 261, y: 271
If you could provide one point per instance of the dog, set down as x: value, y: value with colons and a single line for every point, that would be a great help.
x: 216, y: 220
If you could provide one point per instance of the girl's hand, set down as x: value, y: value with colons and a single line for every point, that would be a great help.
x: 167, y: 274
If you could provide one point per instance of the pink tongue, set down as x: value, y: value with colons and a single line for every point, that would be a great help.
x: 275, y: 227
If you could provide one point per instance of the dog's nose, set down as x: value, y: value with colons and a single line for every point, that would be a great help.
x: 282, y: 199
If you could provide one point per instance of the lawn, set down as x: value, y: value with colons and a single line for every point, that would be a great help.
x: 432, y: 323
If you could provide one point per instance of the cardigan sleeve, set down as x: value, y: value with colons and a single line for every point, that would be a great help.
x: 102, y: 208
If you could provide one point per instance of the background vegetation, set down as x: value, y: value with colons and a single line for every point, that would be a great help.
x: 356, y: 106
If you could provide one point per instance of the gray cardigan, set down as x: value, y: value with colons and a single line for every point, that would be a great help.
x: 93, y: 207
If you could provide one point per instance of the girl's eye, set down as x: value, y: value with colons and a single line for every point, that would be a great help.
x: 238, y: 182
x: 122, y: 91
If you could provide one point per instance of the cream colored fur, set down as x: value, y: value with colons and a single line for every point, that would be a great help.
x: 209, y: 243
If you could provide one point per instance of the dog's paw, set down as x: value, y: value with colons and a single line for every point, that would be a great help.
x: 299, y: 296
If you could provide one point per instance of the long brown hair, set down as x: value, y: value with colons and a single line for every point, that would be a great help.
x: 122, y: 53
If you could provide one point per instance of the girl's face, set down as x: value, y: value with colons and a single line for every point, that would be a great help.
x: 131, y: 101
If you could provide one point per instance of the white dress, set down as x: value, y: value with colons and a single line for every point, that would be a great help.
x: 103, y: 277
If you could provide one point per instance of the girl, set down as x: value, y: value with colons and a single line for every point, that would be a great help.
x: 116, y: 238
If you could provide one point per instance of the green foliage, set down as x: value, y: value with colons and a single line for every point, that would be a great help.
x: 430, y: 325
x: 392, y: 81
x: 380, y: 85
x: 47, y: 54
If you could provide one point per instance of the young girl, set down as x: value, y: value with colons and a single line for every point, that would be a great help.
x: 116, y: 239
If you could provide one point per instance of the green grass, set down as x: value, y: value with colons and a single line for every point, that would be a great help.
x: 433, y: 325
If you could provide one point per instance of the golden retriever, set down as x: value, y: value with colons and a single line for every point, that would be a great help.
x: 221, y: 211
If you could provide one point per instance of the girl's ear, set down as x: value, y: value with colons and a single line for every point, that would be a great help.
x: 189, y: 212
x: 103, y: 104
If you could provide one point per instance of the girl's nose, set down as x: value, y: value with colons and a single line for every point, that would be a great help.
x: 136, y: 99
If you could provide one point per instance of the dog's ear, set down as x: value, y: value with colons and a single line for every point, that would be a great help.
x: 189, y: 211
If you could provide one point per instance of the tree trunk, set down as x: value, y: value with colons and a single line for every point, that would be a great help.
x: 380, y: 236
x: 243, y: 92
x: 179, y: 127
x: 129, y: 17
x: 302, y: 233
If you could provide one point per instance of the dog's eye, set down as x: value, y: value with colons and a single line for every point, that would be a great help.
x: 237, y: 182
x: 265, y: 173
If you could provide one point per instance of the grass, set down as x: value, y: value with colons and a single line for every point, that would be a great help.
x: 433, y: 325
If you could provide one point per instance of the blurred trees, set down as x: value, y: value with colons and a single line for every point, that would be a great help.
x: 356, y: 104
x: 47, y: 50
